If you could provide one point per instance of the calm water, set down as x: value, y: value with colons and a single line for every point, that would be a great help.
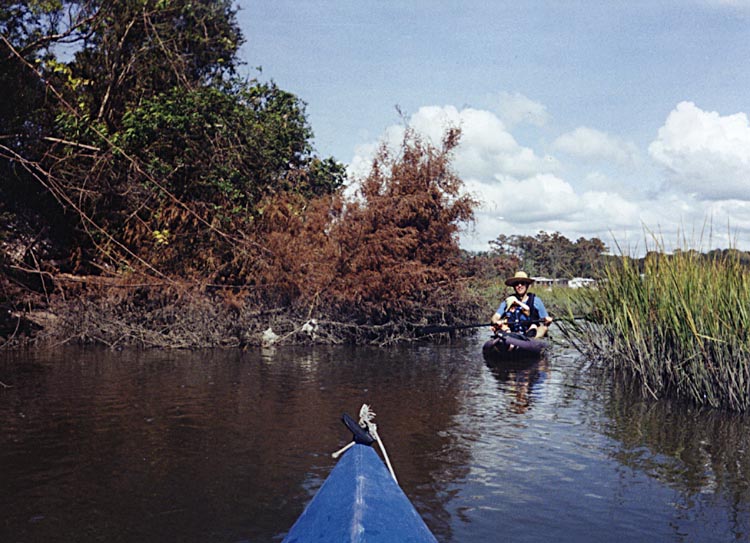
x: 229, y: 447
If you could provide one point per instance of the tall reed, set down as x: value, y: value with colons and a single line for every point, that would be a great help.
x: 680, y: 326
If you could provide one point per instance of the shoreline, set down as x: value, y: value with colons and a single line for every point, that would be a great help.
x: 195, y: 319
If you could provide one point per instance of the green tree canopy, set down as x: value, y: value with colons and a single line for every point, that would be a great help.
x: 132, y: 133
x: 553, y: 255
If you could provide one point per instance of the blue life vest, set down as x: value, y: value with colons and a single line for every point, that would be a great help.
x: 518, y: 321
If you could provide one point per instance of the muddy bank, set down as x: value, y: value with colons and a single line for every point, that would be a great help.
x: 96, y: 311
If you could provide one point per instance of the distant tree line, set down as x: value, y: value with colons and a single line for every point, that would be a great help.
x: 547, y: 255
x: 555, y: 256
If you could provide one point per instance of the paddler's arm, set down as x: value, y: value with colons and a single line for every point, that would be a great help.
x: 539, y: 305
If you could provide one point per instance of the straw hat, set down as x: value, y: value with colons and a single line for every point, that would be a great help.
x: 519, y: 277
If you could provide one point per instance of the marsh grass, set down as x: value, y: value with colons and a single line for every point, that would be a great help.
x: 679, y: 326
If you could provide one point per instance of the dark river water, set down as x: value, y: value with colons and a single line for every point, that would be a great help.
x: 229, y: 446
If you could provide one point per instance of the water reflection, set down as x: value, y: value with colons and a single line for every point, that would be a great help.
x: 698, y: 452
x: 215, y: 446
x: 227, y: 446
x: 519, y: 379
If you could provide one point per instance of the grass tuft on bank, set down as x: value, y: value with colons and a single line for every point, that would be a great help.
x: 677, y: 325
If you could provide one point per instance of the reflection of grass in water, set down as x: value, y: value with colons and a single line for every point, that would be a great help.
x: 679, y: 326
x: 695, y: 451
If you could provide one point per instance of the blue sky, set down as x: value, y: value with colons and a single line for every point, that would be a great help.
x: 591, y: 118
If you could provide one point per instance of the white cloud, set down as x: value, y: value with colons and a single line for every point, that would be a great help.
x: 524, y: 201
x: 704, y: 153
x: 522, y: 192
x: 515, y: 108
x: 487, y: 148
x: 518, y: 190
x: 546, y: 202
x: 719, y: 212
x: 595, y: 145
x: 595, y: 180
x: 362, y: 160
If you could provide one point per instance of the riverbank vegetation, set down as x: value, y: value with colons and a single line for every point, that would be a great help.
x: 151, y: 197
x: 676, y: 324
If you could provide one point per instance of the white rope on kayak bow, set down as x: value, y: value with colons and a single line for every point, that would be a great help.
x: 365, y: 421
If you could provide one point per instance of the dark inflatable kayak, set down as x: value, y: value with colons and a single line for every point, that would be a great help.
x: 511, y: 346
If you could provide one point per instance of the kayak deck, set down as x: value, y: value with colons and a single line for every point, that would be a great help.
x: 360, y: 501
x: 509, y: 346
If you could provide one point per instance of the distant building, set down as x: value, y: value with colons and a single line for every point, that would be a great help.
x: 544, y: 281
x: 580, y: 282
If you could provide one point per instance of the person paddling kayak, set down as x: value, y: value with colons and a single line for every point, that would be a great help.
x: 522, y: 312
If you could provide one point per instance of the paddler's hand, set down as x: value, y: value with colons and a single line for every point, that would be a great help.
x: 498, y: 327
x: 511, y: 300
